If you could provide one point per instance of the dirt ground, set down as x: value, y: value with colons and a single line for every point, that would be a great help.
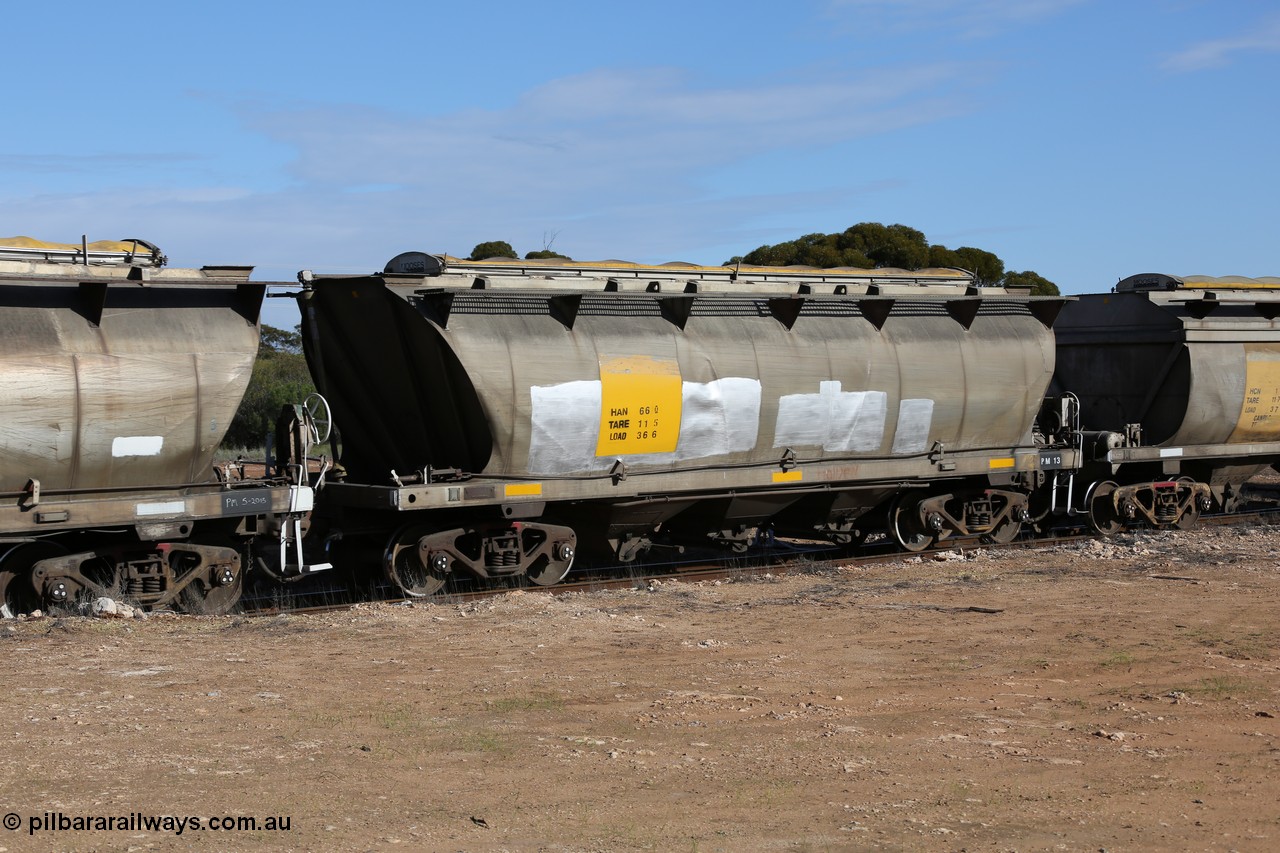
x: 1118, y: 695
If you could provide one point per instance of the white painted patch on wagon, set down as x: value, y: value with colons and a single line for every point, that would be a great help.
x: 838, y: 421
x: 137, y: 445
x: 1166, y: 452
x: 719, y: 417
x: 915, y: 417
x: 144, y: 510
x: 565, y: 426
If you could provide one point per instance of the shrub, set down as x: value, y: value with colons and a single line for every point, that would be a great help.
x: 280, y: 377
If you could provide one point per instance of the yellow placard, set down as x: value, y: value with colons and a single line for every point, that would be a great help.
x: 639, y: 405
x: 1260, y: 412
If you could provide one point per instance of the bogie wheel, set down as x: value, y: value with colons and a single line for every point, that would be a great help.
x: 908, y: 531
x: 17, y: 594
x: 556, y: 567
x: 1102, y: 509
x: 404, y: 566
x: 1190, y: 517
x: 1004, y: 532
x: 199, y: 598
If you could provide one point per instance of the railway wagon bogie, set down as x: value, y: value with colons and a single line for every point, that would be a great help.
x: 419, y: 560
x: 993, y: 515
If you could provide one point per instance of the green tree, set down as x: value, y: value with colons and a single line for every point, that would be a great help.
x: 870, y: 244
x: 862, y: 246
x: 811, y: 250
x: 1040, y: 286
x: 887, y: 245
x: 941, y: 256
x: 987, y: 268
x: 280, y: 377
x: 272, y: 341
x: 492, y: 249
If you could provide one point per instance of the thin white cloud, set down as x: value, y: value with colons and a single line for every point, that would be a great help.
x: 608, y: 132
x: 1215, y: 53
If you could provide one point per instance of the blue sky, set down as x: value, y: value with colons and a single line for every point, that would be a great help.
x: 1084, y: 140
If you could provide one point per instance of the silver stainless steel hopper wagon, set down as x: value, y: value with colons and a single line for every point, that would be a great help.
x: 118, y: 379
x: 1178, y: 383
x: 496, y: 416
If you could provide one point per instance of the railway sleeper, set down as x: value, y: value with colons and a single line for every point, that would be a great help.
x: 203, y: 579
x: 420, y: 561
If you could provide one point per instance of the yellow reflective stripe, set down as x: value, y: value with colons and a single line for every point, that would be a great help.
x: 788, y: 476
x: 523, y: 490
x: 1002, y: 462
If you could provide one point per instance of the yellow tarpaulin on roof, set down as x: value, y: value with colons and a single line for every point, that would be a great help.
x: 98, y: 246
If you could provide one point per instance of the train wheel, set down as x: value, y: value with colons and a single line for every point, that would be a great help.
x: 1004, y: 532
x: 907, y: 529
x: 17, y: 595
x: 1190, y: 517
x: 403, y: 564
x: 200, y: 599
x: 556, y: 567
x: 1102, y: 509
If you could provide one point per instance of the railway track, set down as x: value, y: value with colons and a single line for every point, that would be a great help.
x: 791, y: 558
